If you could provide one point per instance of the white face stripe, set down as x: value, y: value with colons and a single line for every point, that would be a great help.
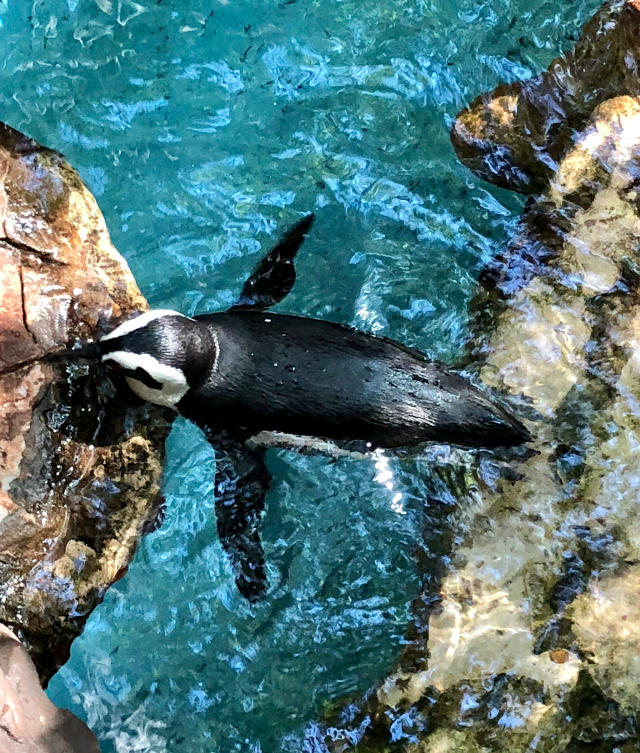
x: 173, y: 381
x: 141, y: 321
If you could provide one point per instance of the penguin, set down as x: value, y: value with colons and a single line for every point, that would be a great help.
x: 244, y: 372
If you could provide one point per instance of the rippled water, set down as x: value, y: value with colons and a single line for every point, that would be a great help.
x: 204, y: 130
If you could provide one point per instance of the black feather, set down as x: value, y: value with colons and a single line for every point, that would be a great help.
x: 274, y: 276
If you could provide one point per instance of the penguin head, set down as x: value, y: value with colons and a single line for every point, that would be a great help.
x: 160, y: 354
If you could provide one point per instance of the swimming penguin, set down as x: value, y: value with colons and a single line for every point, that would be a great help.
x: 247, y: 371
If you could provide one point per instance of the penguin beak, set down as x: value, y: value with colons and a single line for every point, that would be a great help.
x: 79, y: 351
x: 86, y: 351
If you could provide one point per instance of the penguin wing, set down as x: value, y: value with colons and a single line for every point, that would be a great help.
x: 241, y: 484
x: 274, y: 276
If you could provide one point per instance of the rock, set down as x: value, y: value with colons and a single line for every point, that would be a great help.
x: 457, y: 741
x: 573, y: 247
x: 531, y: 642
x: 79, y: 470
x: 29, y: 722
x: 605, y: 622
x: 516, y: 135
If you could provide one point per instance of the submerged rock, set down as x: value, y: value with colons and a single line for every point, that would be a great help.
x: 605, y: 622
x: 516, y: 135
x: 79, y: 471
x: 531, y: 643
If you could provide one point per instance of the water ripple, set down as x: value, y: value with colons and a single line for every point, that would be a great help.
x: 205, y: 133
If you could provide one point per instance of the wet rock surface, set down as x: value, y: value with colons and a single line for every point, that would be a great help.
x: 527, y: 638
x: 79, y: 468
x: 516, y: 135
x: 29, y: 722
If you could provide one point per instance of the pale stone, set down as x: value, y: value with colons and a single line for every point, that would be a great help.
x: 606, y: 622
x: 538, y: 350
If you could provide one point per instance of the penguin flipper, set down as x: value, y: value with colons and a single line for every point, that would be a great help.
x: 241, y: 484
x: 274, y: 276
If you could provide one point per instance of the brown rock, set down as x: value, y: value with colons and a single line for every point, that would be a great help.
x: 515, y: 135
x: 79, y: 472
x: 29, y: 722
x: 559, y: 655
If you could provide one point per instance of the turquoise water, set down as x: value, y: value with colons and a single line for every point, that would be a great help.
x: 205, y: 130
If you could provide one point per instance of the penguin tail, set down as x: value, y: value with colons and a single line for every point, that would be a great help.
x: 492, y: 425
x: 512, y: 432
x: 468, y: 416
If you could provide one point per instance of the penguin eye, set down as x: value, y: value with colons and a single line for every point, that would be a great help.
x: 142, y: 376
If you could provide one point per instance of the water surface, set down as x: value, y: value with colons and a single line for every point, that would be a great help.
x: 205, y: 130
